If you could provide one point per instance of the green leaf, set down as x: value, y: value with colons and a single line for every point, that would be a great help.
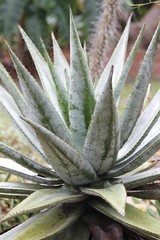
x: 135, y: 102
x: 62, y: 92
x: 45, y: 224
x: 146, y: 150
x: 135, y: 219
x: 81, y: 92
x: 43, y: 199
x: 117, y: 60
x: 44, y: 72
x: 60, y: 63
x: 41, y: 110
x: 143, y: 126
x: 101, y: 144
x: 19, y: 187
x: 127, y: 66
x: 145, y: 194
x: 115, y: 195
x: 25, y: 161
x: 13, y: 195
x: 139, y: 179
x: 8, y: 103
x: 12, y: 89
x: 10, y: 166
x: 68, y: 163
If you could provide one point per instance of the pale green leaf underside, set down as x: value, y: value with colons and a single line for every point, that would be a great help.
x: 43, y: 199
x: 135, y: 219
x: 115, y: 195
x: 53, y: 221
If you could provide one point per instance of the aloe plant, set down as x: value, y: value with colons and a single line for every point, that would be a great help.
x: 94, y: 158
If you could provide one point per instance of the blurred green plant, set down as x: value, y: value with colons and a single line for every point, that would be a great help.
x: 40, y: 17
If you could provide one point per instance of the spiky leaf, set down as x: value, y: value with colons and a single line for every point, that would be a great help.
x: 135, y: 219
x: 25, y: 161
x: 68, y: 163
x: 81, y: 94
x: 117, y: 60
x: 135, y: 102
x: 14, y: 168
x: 53, y: 221
x: 43, y: 199
x: 101, y: 144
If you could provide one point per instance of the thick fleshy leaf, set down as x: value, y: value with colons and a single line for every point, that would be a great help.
x: 115, y: 195
x: 12, y: 89
x: 13, y: 195
x: 43, y: 71
x: 117, y: 60
x: 101, y: 144
x: 144, y: 124
x: 25, y: 161
x: 145, y: 194
x: 135, y: 219
x: 135, y: 102
x: 140, y: 179
x: 8, y: 103
x: 68, y: 163
x: 45, y: 224
x: 127, y: 66
x: 41, y: 110
x: 19, y: 187
x: 60, y: 63
x: 62, y: 92
x: 12, y: 167
x: 81, y: 92
x: 140, y: 156
x: 43, y: 199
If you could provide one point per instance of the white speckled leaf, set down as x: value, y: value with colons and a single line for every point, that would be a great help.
x: 101, y: 147
x: 43, y: 71
x: 41, y: 109
x: 67, y: 162
x: 81, y: 93
x: 135, y: 103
